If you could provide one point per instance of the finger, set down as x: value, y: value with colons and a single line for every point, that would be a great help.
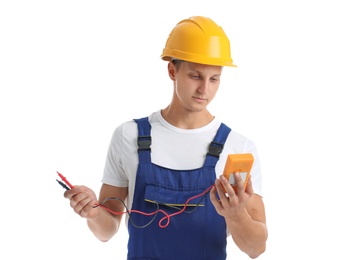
x: 214, y: 199
x: 225, y: 183
x: 75, y: 198
x: 229, y: 191
x: 227, y: 196
x: 221, y: 185
x: 249, y: 188
x: 84, y: 207
x: 239, y: 183
x: 71, y: 193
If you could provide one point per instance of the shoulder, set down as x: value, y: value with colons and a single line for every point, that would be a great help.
x: 240, y: 140
x: 237, y: 141
x: 128, y: 129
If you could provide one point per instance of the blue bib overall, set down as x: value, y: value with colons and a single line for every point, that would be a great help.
x: 196, y: 234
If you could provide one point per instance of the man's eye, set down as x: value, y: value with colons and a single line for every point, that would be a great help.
x: 195, y: 76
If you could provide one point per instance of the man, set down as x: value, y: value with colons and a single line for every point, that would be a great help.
x: 166, y: 169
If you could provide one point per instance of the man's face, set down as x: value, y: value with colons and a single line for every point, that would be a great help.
x: 196, y: 84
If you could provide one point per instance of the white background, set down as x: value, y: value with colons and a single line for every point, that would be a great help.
x: 71, y: 71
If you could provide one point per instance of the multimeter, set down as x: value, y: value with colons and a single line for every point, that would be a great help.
x: 241, y: 163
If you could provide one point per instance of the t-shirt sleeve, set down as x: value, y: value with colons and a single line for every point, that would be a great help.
x: 114, y: 173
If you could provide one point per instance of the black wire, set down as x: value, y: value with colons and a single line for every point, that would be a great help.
x: 129, y: 213
x: 188, y: 211
x: 63, y: 185
x: 157, y: 209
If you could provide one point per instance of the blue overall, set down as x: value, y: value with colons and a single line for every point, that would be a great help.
x: 192, y: 235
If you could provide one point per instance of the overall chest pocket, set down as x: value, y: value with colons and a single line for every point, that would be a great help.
x: 176, y: 187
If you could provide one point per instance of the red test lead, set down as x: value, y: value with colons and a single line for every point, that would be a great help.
x: 65, y: 180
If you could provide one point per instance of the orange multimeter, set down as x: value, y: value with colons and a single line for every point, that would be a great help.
x: 241, y: 163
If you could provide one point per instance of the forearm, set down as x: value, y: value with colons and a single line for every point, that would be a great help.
x: 249, y: 235
x: 104, y: 226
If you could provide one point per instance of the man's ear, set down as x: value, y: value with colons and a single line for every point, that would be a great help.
x: 171, y: 70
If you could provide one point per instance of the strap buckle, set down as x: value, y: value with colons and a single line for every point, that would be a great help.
x: 215, y: 149
x: 144, y: 143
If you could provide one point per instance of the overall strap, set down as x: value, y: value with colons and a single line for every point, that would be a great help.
x: 143, y: 140
x: 216, y: 146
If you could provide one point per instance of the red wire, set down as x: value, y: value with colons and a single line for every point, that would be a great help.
x: 184, y: 207
x: 139, y: 212
x: 167, y: 216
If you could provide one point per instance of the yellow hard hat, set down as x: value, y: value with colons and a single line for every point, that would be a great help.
x: 198, y: 39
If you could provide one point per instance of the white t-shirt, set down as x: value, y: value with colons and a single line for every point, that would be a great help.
x: 173, y: 148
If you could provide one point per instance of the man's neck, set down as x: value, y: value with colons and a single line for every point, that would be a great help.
x: 187, y: 119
